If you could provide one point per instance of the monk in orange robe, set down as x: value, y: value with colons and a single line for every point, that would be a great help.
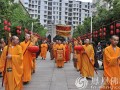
x: 54, y: 49
x: 44, y: 48
x: 75, y: 54
x: 27, y: 59
x: 70, y: 49
x: 67, y: 52
x: 79, y: 61
x: 14, y: 65
x: 60, y: 50
x: 87, y: 69
x: 111, y: 61
x: 34, y: 40
x: 2, y: 45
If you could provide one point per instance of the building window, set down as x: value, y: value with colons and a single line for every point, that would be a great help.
x: 38, y: 11
x: 54, y: 3
x: 85, y: 6
x: 38, y: 16
x: 85, y: 14
x: 45, y: 2
x: 45, y: 7
x: 66, y: 4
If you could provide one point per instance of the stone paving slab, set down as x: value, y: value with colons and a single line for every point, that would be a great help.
x: 48, y: 77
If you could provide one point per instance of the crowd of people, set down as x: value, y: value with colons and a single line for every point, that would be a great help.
x: 17, y: 63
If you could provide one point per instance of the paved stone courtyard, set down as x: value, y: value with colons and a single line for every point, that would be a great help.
x: 48, y: 77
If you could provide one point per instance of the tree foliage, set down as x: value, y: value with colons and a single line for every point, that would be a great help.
x: 103, y: 17
x: 18, y: 16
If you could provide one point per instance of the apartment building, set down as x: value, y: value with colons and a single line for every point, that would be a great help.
x: 49, y: 12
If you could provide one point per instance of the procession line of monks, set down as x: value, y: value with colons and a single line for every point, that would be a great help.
x: 18, y: 65
x: 111, y: 63
x: 21, y: 62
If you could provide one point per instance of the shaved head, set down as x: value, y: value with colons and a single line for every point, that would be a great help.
x: 114, y: 40
x: 87, y: 41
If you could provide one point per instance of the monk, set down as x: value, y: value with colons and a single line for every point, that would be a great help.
x: 2, y: 45
x: 44, y: 48
x: 79, y: 61
x: 67, y: 52
x: 75, y: 54
x: 111, y: 61
x: 34, y: 40
x: 60, y: 50
x: 87, y: 69
x: 27, y: 59
x: 54, y: 49
x: 70, y: 49
x: 14, y: 65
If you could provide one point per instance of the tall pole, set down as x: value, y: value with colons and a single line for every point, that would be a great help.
x: 91, y: 25
x: 32, y: 27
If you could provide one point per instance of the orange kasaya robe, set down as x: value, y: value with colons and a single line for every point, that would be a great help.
x: 111, y: 69
x: 54, y: 50
x: 34, y: 40
x: 70, y: 50
x: 60, y: 62
x: 67, y: 53
x: 27, y: 61
x: 14, y: 68
x: 44, y: 48
x: 87, y: 69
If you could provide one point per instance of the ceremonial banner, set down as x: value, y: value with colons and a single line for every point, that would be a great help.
x: 63, y: 30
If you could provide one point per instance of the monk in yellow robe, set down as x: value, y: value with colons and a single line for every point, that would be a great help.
x: 27, y: 59
x: 111, y: 61
x: 70, y: 49
x: 75, y: 54
x: 44, y: 48
x: 54, y: 49
x: 14, y: 65
x: 60, y: 55
x: 79, y: 61
x: 34, y: 40
x: 87, y: 69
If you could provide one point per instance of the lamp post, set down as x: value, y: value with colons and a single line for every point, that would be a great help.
x: 91, y: 30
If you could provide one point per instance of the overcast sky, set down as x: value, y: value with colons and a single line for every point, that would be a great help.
x: 85, y: 0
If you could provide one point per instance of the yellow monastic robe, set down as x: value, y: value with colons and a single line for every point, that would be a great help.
x: 54, y: 50
x: 87, y: 69
x: 70, y: 50
x: 44, y: 48
x: 75, y: 56
x: 34, y: 40
x: 27, y: 61
x: 111, y: 69
x: 14, y: 68
x: 60, y: 63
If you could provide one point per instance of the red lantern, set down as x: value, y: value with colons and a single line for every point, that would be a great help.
x: 26, y: 30
x: 5, y: 28
x: 117, y: 31
x: 111, y: 27
x: 96, y: 32
x: 111, y: 32
x: 104, y: 33
x: 30, y: 32
x: 117, y: 25
x: 9, y: 24
x: 33, y: 49
x: 19, y: 27
x: 5, y: 22
x: 8, y: 29
x: 96, y: 35
x: 100, y: 30
x: 79, y: 48
x: 100, y: 34
x: 18, y: 32
x: 104, y: 29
